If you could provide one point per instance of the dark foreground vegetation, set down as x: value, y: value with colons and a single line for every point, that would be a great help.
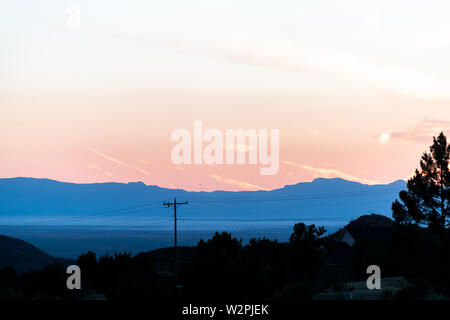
x: 222, y: 268
x: 415, y: 246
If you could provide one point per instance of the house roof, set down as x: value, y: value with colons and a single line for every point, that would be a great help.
x: 345, y: 236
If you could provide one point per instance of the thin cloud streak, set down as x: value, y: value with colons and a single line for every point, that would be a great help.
x: 423, y: 131
x: 95, y: 167
x: 151, y: 163
x: 290, y: 58
x: 117, y: 161
x: 331, y: 173
x: 236, y: 183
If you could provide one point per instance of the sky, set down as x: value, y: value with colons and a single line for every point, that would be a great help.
x: 91, y: 91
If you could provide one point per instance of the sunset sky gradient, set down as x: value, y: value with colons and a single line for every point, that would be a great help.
x: 357, y: 89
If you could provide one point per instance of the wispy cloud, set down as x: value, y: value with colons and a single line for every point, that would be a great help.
x: 289, y: 57
x: 423, y: 131
x: 305, y: 60
x: 117, y: 161
x: 95, y: 167
x: 238, y: 52
x: 151, y: 163
x: 236, y: 183
x: 331, y: 173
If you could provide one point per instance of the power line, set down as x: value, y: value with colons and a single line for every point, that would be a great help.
x: 109, y: 213
x: 138, y: 208
x: 315, y: 197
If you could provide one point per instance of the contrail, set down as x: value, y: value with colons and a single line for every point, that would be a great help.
x: 118, y: 161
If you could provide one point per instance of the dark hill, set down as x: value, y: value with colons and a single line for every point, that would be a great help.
x: 372, y: 227
x: 23, y: 256
x: 373, y: 230
x: 163, y: 259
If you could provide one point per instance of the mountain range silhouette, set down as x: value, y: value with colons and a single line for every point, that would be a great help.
x: 319, y: 199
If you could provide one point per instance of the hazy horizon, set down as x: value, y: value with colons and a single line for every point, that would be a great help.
x: 155, y: 185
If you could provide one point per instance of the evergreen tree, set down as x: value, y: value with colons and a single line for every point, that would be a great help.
x: 427, y: 200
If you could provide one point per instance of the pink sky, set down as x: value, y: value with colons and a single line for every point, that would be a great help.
x: 91, y: 91
x: 126, y: 137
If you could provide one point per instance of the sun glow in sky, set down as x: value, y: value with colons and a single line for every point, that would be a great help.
x: 356, y: 88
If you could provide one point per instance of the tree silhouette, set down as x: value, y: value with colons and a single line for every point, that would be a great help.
x: 427, y: 200
x: 304, y: 234
x: 306, y: 251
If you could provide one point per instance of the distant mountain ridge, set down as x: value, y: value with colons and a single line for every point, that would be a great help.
x: 320, y: 198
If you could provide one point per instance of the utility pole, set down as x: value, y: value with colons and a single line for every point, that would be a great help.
x: 175, y: 204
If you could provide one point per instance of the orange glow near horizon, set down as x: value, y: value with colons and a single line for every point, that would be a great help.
x: 102, y: 138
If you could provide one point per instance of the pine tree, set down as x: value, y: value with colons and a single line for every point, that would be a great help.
x: 427, y: 200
